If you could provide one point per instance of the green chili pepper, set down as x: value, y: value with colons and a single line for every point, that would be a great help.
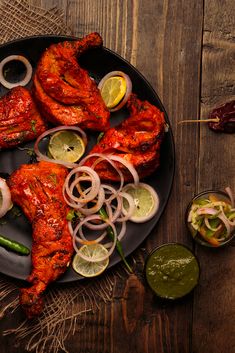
x: 110, y: 233
x: 14, y: 245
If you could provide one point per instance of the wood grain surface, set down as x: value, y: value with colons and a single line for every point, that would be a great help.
x: 186, y: 50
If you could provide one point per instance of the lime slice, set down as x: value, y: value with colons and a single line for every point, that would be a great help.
x: 87, y: 268
x: 146, y: 202
x: 66, y: 146
x: 113, y: 91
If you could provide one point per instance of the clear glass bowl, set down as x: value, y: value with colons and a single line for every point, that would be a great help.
x: 204, y: 240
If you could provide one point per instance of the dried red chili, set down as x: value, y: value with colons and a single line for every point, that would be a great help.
x: 221, y: 119
x: 225, y: 115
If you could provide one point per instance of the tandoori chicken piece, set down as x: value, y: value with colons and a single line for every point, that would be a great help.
x: 37, y: 189
x: 137, y: 139
x: 62, y: 78
x: 20, y: 120
x: 61, y: 114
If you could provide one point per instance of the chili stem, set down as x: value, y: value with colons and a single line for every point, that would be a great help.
x: 110, y: 233
x: 214, y: 120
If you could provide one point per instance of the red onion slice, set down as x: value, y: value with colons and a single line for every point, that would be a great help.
x: 230, y: 194
x: 226, y: 223
x: 207, y: 210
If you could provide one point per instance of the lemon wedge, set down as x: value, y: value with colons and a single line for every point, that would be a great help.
x: 113, y: 90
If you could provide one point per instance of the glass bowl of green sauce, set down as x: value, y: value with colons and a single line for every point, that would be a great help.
x: 210, y: 218
x: 172, y: 271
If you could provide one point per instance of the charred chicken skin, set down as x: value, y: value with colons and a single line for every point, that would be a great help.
x: 37, y: 189
x: 59, y: 78
x: 20, y: 120
x: 137, y: 139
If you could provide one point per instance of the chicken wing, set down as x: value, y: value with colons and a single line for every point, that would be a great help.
x: 20, y: 120
x: 137, y: 139
x: 62, y: 78
x: 37, y: 189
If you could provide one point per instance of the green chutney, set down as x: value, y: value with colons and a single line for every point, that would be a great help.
x: 172, y: 271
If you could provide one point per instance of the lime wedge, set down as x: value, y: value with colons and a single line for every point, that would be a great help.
x: 87, y: 268
x: 66, y: 146
x: 146, y: 202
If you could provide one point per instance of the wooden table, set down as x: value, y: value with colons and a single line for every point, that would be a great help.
x: 186, y: 49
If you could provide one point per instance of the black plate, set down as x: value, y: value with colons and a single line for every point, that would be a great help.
x: 98, y: 62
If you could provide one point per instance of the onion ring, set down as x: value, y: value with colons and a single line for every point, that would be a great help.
x: 230, y: 194
x: 27, y: 77
x: 95, y: 180
x: 110, y: 250
x: 42, y: 157
x: 6, y: 197
x: 107, y: 159
x: 128, y: 165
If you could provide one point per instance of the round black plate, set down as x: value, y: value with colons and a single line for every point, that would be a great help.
x: 98, y: 62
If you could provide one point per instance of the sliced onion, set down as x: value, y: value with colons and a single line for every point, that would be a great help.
x: 226, y: 223
x: 27, y: 77
x: 122, y: 232
x: 128, y: 87
x: 95, y: 180
x: 98, y: 205
x: 207, y: 210
x: 6, y: 203
x: 104, y: 157
x: 207, y: 223
x: 230, y: 194
x: 102, y: 195
x: 82, y: 239
x: 42, y: 157
x: 231, y: 223
x: 112, y: 193
x: 131, y: 208
x: 128, y: 165
x: 103, y: 257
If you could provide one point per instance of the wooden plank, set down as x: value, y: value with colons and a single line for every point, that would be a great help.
x: 163, y: 41
x: 214, y: 332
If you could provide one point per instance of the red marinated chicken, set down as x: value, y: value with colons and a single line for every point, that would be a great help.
x: 20, y: 120
x: 62, y: 83
x: 61, y: 114
x: 137, y: 139
x: 37, y: 189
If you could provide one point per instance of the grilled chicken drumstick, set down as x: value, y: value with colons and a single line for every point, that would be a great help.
x: 37, y: 189
x: 137, y: 139
x: 20, y: 120
x: 61, y: 83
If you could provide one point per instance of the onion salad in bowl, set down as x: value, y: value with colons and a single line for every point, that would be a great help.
x: 210, y: 217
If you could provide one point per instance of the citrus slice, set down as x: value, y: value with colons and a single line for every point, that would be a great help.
x: 113, y: 91
x: 146, y: 202
x: 66, y: 146
x: 90, y: 268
